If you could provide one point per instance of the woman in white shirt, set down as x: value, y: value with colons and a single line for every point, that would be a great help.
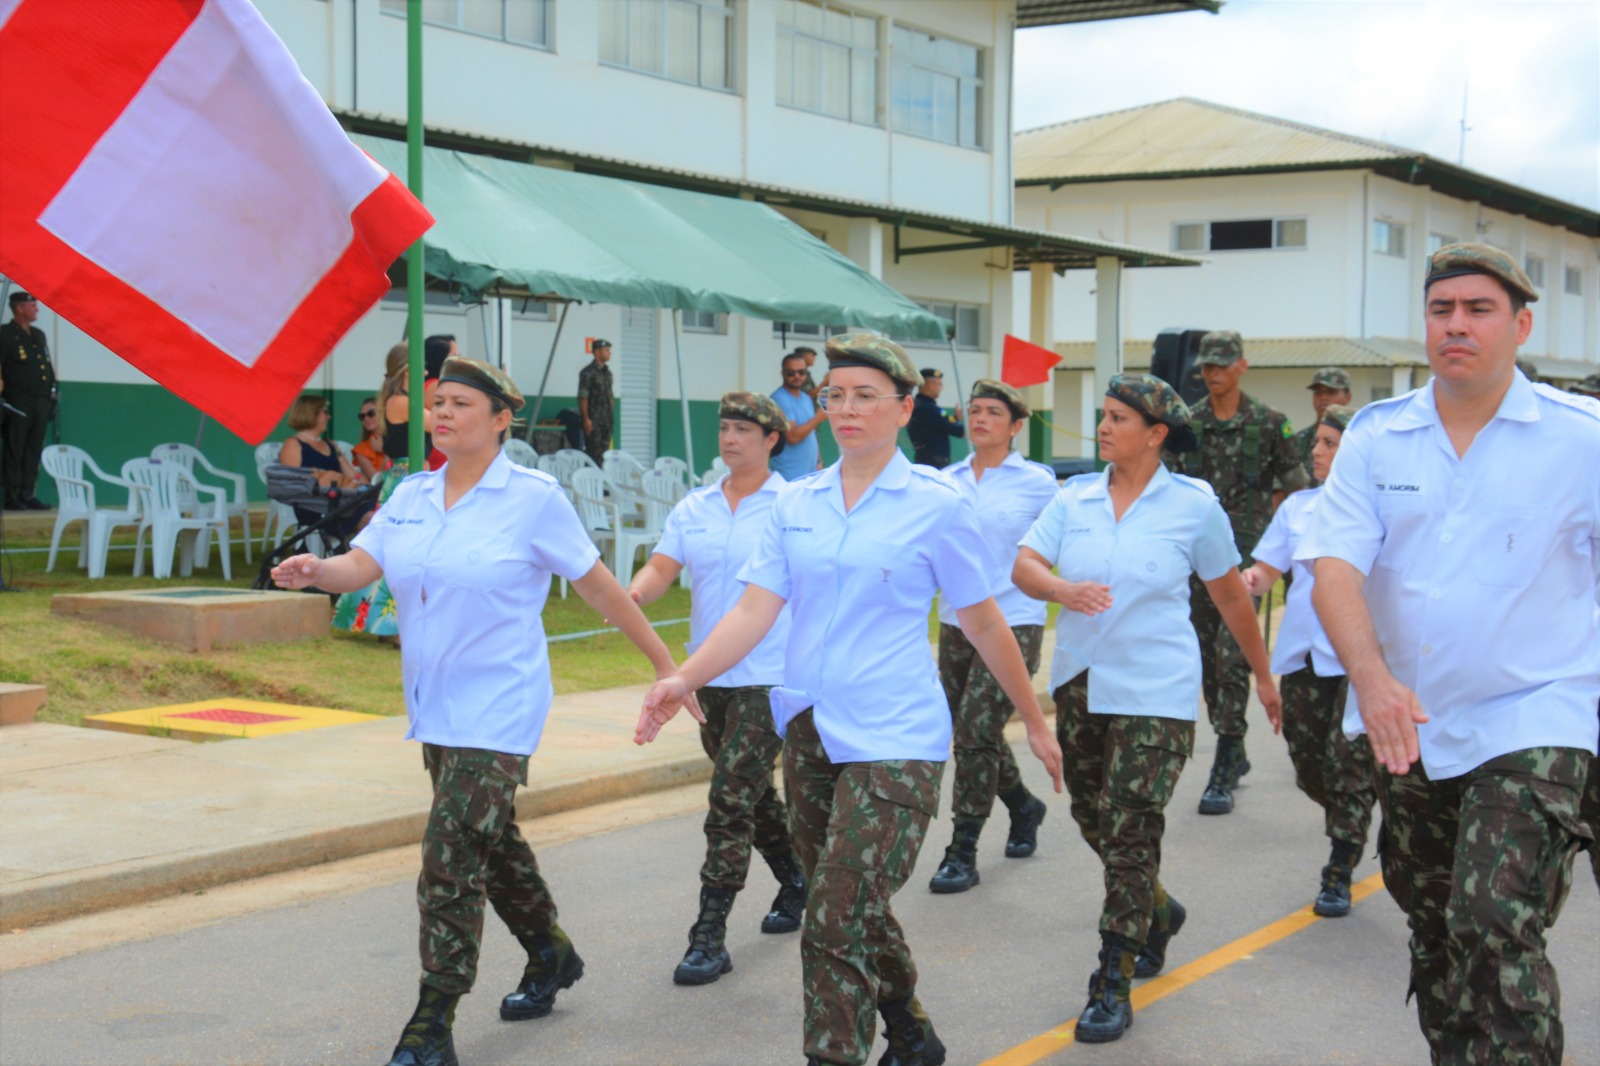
x: 1126, y: 674
x: 469, y: 551
x: 1008, y: 492
x: 1338, y: 774
x: 713, y: 532
x: 858, y: 551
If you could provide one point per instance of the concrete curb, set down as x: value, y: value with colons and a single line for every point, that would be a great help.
x: 55, y: 897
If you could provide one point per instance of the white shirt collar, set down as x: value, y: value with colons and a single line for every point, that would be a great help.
x: 1519, y: 404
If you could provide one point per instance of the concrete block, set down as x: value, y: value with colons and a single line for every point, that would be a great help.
x: 20, y: 704
x: 198, y: 618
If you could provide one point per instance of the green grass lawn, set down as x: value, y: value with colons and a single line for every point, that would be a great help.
x: 91, y: 669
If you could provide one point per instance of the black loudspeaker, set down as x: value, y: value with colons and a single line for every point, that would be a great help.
x: 1172, y: 359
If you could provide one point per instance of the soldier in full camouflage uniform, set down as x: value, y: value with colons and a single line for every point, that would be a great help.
x: 1251, y: 461
x: 1460, y: 595
x: 594, y: 401
x: 1126, y: 676
x: 1329, y: 387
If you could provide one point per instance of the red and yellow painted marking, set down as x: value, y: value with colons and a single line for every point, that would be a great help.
x: 224, y: 718
x: 1044, y: 1045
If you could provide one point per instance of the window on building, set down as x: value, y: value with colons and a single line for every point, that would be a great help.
x: 704, y: 322
x: 685, y: 40
x: 1439, y: 240
x: 967, y: 317
x: 827, y: 60
x: 1241, y: 235
x: 1573, y: 283
x: 806, y: 331
x: 531, y: 310
x: 1388, y: 238
x: 1381, y: 392
x: 437, y: 295
x: 1533, y: 266
x: 518, y: 21
x: 936, y: 87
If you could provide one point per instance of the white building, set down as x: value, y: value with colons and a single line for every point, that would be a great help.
x: 881, y: 126
x: 1315, y: 244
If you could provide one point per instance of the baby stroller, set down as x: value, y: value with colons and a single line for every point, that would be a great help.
x: 336, y: 510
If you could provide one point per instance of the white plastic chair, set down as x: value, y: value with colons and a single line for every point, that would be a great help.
x: 711, y: 477
x: 553, y: 466
x: 599, y: 515
x: 578, y: 459
x: 237, y: 502
x: 280, y: 516
x: 521, y: 452
x: 68, y: 466
x: 168, y: 489
x: 677, y: 468
x: 664, y: 485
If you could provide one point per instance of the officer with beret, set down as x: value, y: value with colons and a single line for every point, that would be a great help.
x: 1247, y: 453
x: 1338, y: 774
x: 1329, y: 386
x: 858, y: 551
x: 594, y: 401
x: 930, y: 429
x: 1459, y: 594
x: 27, y: 383
x: 469, y: 550
x: 1008, y: 492
x: 1127, y: 669
x: 713, y: 531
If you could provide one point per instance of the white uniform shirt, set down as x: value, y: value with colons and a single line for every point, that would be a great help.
x: 859, y: 586
x: 1300, y: 631
x: 1480, y: 572
x: 469, y: 585
x: 1142, y: 654
x: 713, y: 541
x: 1008, y: 498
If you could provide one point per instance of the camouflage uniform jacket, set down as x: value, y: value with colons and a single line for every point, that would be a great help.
x: 594, y: 384
x: 1245, y: 459
x: 1303, y: 441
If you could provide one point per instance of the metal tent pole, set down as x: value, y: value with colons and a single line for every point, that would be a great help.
x: 415, y: 279
x: 683, y: 398
x: 538, y: 402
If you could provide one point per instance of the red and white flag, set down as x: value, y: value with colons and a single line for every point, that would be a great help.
x: 172, y: 185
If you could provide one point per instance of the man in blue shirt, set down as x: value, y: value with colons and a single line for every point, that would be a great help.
x: 799, y: 456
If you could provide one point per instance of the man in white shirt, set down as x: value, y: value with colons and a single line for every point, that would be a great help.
x: 1459, y: 593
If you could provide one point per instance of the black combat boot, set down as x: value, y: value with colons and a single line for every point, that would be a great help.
x: 707, y: 958
x: 789, y: 905
x: 912, y: 1041
x: 1027, y: 815
x: 1163, y: 927
x: 426, y: 1039
x: 1226, y: 770
x: 553, y: 964
x: 1334, y: 899
x: 959, y: 870
x: 1109, y: 1012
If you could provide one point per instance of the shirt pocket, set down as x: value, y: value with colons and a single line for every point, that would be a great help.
x: 479, y: 561
x: 1082, y: 555
x: 1510, y: 544
x: 889, y: 568
x: 1156, y: 564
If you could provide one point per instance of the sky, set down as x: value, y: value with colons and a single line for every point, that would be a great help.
x: 1389, y: 70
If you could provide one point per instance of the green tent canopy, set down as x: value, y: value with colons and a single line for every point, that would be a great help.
x: 547, y: 232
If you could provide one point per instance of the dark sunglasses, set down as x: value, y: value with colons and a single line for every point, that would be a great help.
x: 369, y: 414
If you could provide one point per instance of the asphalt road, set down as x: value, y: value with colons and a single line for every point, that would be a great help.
x: 332, y: 979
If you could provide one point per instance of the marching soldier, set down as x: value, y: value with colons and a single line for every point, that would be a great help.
x: 1247, y: 453
x: 1329, y: 387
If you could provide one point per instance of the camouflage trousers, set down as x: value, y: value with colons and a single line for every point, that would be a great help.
x: 857, y: 828
x: 1224, y: 671
x: 1120, y: 772
x: 980, y: 709
x: 596, y: 444
x: 1481, y: 865
x: 472, y: 849
x: 1338, y: 774
x: 743, y: 807
x: 1589, y: 811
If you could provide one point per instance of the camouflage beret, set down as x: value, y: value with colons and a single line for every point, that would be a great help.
x: 1589, y: 386
x: 1454, y: 260
x: 1337, y: 417
x: 483, y: 377
x: 754, y: 407
x: 599, y: 342
x: 875, y: 351
x: 1221, y: 347
x: 990, y: 389
x: 1157, y: 401
x: 1330, y: 377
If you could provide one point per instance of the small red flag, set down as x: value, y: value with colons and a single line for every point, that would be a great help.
x: 1023, y: 363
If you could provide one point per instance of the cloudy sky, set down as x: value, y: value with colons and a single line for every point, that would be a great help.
x: 1391, y: 70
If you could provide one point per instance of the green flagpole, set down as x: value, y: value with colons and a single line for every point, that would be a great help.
x: 415, y: 280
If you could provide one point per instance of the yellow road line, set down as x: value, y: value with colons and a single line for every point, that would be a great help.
x: 1046, y: 1044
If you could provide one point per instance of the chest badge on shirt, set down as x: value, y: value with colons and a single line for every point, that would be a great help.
x: 886, y: 573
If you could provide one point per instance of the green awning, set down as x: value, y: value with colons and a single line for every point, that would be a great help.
x: 506, y: 225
